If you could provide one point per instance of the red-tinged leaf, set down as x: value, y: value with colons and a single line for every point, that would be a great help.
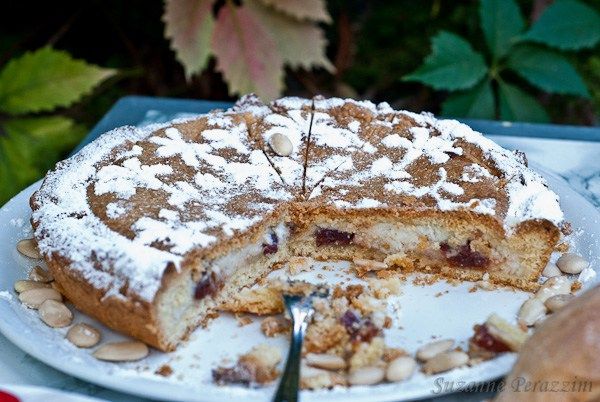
x: 312, y: 10
x: 300, y: 43
x: 189, y: 25
x: 246, y: 53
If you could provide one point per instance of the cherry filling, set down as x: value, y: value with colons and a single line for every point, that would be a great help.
x: 272, y: 246
x: 328, y: 237
x: 233, y: 375
x: 463, y: 256
x: 360, y: 330
x: 485, y: 340
x: 208, y: 286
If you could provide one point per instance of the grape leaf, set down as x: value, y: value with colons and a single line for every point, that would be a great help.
x: 46, y: 79
x: 547, y: 70
x: 502, y: 22
x: 246, y: 53
x: 300, y: 43
x: 31, y: 146
x: 516, y: 105
x: 475, y: 103
x: 566, y: 24
x: 452, y: 64
x: 312, y: 10
x: 189, y: 25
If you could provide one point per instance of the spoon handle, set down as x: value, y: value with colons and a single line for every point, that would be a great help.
x: 301, y: 315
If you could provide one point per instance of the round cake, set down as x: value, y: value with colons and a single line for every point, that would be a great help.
x: 151, y: 229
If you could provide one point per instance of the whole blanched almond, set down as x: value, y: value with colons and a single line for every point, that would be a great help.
x: 366, y: 376
x: 325, y: 361
x: 122, y: 351
x: 371, y: 265
x: 400, y: 368
x: 316, y: 378
x: 33, y: 298
x: 432, y: 349
x: 557, y: 302
x: 55, y: 314
x: 24, y: 285
x: 445, y: 361
x: 551, y: 270
x: 40, y: 274
x: 83, y: 335
x: 570, y: 263
x: 558, y: 285
x: 539, y: 322
x: 28, y: 248
x: 512, y: 335
x: 532, y: 310
x: 281, y: 144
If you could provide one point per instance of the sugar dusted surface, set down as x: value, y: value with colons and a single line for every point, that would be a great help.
x: 136, y: 200
x: 139, y: 199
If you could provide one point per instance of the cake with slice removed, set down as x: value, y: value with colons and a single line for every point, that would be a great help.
x: 151, y: 229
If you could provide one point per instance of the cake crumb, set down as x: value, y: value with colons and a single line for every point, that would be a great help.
x: 243, y: 320
x: 257, y: 367
x: 384, y: 288
x: 274, y: 325
x: 296, y: 265
x: 261, y: 301
x: 324, y: 335
x: 368, y: 354
x: 426, y: 279
x: 165, y: 370
x: 363, y: 266
x: 390, y: 354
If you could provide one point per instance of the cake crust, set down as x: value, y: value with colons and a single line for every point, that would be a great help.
x: 133, y: 224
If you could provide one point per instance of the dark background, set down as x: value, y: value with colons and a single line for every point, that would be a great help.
x: 371, y: 43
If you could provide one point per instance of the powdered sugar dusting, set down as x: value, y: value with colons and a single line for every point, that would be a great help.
x: 220, y: 180
x: 69, y: 227
x: 114, y: 210
x: 474, y: 173
x: 438, y: 141
x: 124, y: 180
x: 529, y: 196
x: 198, y: 211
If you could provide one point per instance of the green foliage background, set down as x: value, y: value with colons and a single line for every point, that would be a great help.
x: 483, y: 87
x: 372, y: 44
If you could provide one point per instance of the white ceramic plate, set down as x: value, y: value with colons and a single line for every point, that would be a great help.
x: 420, y: 314
x: 42, y: 394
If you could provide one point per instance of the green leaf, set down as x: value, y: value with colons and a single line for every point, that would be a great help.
x: 300, y: 43
x: 189, y: 25
x: 31, y: 146
x: 516, y: 105
x: 247, y: 55
x: 592, y: 76
x: 547, y: 70
x: 475, y: 103
x: 46, y: 79
x: 502, y: 22
x: 452, y: 64
x: 566, y: 24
